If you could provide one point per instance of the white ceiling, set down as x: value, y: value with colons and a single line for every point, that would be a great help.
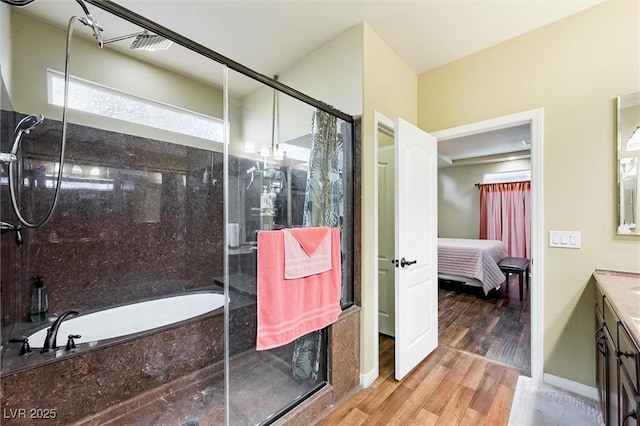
x: 510, y: 142
x: 270, y: 36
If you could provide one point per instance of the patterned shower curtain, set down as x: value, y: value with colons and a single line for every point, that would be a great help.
x: 322, y: 207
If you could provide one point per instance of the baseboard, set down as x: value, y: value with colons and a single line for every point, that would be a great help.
x: 571, y: 386
x: 367, y: 379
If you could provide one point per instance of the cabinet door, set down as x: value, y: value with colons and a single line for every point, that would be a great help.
x: 611, y: 410
x: 629, y: 399
x: 602, y: 382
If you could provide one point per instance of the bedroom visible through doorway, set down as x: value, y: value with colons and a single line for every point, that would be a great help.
x: 522, y: 346
x: 492, y: 322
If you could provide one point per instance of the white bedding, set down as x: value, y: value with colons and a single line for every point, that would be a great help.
x: 477, y: 259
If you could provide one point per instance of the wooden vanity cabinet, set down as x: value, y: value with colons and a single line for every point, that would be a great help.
x: 602, y: 376
x: 628, y: 369
x: 603, y: 359
x: 610, y: 330
x: 617, y: 367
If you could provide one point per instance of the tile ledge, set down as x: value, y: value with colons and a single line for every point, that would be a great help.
x: 351, y: 310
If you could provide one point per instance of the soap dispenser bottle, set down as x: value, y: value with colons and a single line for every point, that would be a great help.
x: 39, y: 301
x: 264, y: 197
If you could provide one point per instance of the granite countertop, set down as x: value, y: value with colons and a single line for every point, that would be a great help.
x: 622, y: 289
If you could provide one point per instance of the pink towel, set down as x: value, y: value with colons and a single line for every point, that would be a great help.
x: 307, y: 251
x: 288, y: 309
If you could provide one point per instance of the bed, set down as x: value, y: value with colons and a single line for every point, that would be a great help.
x: 472, y: 262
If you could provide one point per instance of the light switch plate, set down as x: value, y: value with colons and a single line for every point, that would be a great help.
x: 564, y: 239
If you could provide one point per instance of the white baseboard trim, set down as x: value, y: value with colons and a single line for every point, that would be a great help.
x: 367, y: 379
x: 571, y: 386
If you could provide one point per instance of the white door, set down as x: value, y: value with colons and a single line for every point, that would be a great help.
x: 386, y: 241
x: 416, y: 208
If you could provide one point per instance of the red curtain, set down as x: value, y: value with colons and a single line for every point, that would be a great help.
x: 505, y: 215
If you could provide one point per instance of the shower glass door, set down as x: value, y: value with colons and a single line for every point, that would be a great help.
x: 277, y: 179
x: 138, y: 224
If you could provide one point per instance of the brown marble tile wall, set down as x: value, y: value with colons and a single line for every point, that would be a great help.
x: 138, y: 222
x: 344, y: 353
x: 344, y: 371
x: 78, y: 386
x: 156, y: 230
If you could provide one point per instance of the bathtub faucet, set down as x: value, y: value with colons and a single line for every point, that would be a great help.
x: 52, y: 332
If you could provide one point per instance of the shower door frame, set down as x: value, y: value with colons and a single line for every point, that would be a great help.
x: 143, y: 22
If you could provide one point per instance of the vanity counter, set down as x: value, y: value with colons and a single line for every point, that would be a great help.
x: 622, y: 289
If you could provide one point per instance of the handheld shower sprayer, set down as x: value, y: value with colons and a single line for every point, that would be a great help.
x: 25, y: 126
x: 28, y: 123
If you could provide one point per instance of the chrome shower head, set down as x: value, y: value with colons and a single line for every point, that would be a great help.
x: 19, y: 3
x: 151, y: 42
x: 28, y: 123
x: 25, y: 125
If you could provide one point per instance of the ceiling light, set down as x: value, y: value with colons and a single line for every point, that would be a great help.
x: 264, y: 151
x: 249, y: 147
x: 278, y: 154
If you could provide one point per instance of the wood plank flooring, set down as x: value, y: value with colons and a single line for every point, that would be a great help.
x: 496, y: 326
x: 450, y: 387
x: 469, y: 379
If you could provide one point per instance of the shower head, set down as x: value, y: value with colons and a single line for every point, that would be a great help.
x: 143, y: 41
x: 28, y: 123
x: 151, y: 42
x: 25, y: 125
x: 19, y: 3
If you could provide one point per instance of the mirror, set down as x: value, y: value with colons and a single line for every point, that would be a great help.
x: 628, y: 159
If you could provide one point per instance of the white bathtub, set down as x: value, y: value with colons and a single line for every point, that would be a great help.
x: 130, y: 319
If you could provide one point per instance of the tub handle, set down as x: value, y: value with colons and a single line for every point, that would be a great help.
x: 70, y: 343
x: 26, y: 348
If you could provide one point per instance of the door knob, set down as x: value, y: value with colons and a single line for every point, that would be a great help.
x: 404, y: 262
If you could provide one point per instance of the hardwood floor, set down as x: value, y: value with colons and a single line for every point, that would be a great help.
x: 466, y: 380
x: 496, y: 326
x: 449, y: 387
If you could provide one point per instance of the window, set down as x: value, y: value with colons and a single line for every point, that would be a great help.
x: 514, y: 176
x: 107, y: 102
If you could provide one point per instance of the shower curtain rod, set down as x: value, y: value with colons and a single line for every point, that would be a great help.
x: 124, y: 13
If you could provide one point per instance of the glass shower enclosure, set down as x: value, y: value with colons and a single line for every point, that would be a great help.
x: 169, y: 178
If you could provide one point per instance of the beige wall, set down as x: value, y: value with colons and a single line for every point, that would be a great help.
x: 574, y: 69
x: 459, y: 199
x: 390, y: 87
x: 5, y: 46
x: 332, y: 74
x: 102, y: 66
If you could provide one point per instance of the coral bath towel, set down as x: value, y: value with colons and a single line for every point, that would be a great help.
x: 288, y: 309
x: 307, y: 251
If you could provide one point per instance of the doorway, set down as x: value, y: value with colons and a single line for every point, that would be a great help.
x: 534, y: 119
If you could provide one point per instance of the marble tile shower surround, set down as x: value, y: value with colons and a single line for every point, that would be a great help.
x: 156, y: 230
x: 86, y: 383
x: 142, y: 239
